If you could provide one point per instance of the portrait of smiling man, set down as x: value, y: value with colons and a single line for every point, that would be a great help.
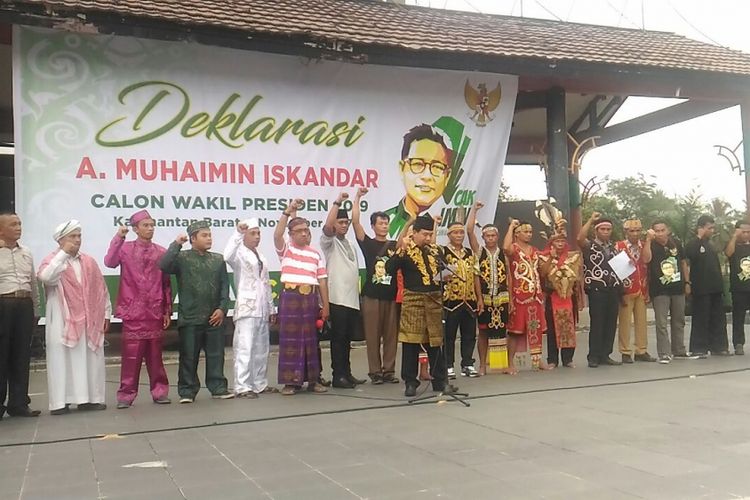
x: 424, y: 169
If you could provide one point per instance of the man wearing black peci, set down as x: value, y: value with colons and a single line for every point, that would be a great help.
x: 421, y: 328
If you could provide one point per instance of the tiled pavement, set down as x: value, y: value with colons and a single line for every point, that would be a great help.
x: 637, y: 431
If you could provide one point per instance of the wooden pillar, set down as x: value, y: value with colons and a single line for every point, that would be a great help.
x: 745, y: 113
x: 558, y: 179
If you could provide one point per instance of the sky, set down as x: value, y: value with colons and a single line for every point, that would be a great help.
x: 678, y: 158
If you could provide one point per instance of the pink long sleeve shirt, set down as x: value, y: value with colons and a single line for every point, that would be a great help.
x: 145, y: 294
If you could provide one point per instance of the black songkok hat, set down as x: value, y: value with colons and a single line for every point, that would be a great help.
x: 424, y: 222
x: 342, y: 214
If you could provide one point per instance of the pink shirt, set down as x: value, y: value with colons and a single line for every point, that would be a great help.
x: 301, y: 266
x: 145, y: 294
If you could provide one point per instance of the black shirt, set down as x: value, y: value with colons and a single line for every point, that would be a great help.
x: 664, y: 271
x: 597, y: 273
x: 739, y: 268
x: 379, y: 283
x: 705, y: 271
x: 419, y: 267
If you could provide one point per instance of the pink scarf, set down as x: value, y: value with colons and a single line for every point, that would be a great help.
x: 85, y: 302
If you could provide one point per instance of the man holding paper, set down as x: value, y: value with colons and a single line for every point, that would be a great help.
x: 603, y: 286
x: 635, y: 298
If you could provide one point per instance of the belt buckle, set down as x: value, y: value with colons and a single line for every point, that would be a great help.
x: 305, y: 289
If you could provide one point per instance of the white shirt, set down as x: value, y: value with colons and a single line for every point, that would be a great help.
x: 343, y: 271
x: 251, y: 281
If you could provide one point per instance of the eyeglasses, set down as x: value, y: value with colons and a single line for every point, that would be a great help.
x: 417, y: 166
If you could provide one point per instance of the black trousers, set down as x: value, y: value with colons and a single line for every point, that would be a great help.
x: 16, y: 327
x: 410, y: 365
x: 740, y: 305
x: 343, y: 323
x: 709, y: 325
x: 466, y: 320
x: 604, y: 307
x: 553, y: 353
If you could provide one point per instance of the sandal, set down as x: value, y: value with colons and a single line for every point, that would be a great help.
x: 247, y: 395
x: 288, y: 390
x: 316, y: 388
x: 269, y: 390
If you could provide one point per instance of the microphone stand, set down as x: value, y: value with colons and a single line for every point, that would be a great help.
x: 455, y: 396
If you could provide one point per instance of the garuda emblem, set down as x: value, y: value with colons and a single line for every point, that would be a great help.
x: 481, y: 102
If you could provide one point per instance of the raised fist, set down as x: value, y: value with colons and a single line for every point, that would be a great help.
x: 361, y: 192
x: 650, y: 234
x: 181, y: 239
x: 242, y: 227
x: 478, y: 205
x: 122, y: 231
x: 515, y: 223
x: 596, y: 216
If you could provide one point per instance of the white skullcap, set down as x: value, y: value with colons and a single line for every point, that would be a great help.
x: 65, y: 229
x: 252, y: 223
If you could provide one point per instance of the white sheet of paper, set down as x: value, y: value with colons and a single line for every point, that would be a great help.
x: 622, y: 265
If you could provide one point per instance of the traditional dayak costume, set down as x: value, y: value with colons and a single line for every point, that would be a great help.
x: 301, y: 270
x: 493, y: 321
x: 527, y: 317
x: 252, y: 310
x: 203, y: 287
x: 460, y: 302
x: 604, y: 289
x: 77, y: 307
x: 143, y: 301
x: 561, y: 273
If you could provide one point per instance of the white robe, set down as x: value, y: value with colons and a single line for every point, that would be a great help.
x: 75, y: 375
x: 253, y: 306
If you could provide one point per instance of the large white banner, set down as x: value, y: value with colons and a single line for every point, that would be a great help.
x: 107, y: 125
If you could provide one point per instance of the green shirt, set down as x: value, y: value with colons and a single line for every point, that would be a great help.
x: 202, y: 280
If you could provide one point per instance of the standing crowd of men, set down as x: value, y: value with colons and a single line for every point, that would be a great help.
x: 501, y: 298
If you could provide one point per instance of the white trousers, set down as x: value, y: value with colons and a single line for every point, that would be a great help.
x: 75, y: 375
x: 251, y: 346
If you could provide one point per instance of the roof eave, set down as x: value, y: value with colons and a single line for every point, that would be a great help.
x: 573, y: 75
